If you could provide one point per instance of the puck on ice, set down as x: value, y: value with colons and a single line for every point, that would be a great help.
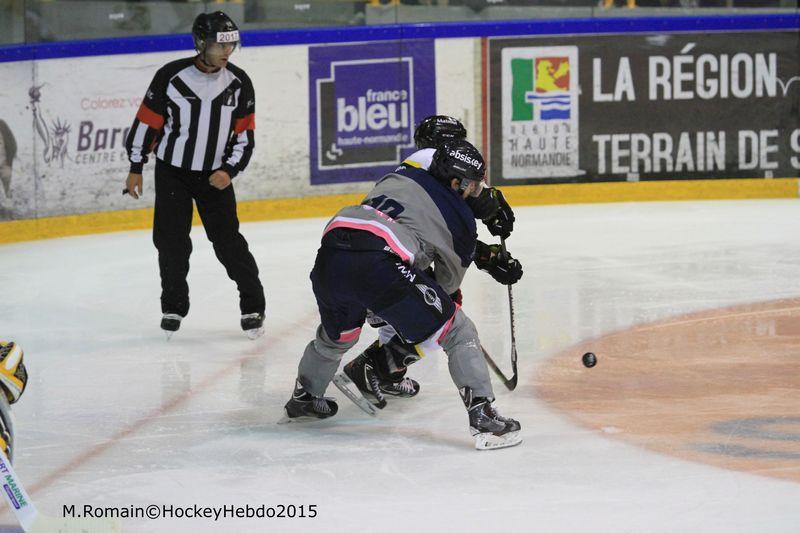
x: 589, y: 360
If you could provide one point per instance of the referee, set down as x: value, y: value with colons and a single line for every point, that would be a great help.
x: 198, y: 117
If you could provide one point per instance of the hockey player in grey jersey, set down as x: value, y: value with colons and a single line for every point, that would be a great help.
x: 374, y: 371
x: 373, y: 258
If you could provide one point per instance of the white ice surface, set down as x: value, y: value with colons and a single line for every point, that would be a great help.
x: 125, y: 418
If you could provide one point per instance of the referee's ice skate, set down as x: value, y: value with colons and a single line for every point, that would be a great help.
x: 253, y: 325
x: 170, y: 323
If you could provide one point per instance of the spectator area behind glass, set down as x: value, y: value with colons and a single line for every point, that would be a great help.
x: 61, y: 20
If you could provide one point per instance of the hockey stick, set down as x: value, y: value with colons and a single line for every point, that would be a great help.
x: 510, y: 383
x: 33, y: 521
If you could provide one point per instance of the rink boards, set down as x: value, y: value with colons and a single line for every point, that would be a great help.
x: 566, y: 111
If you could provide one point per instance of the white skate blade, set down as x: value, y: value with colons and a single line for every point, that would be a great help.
x: 346, y: 385
x: 169, y: 334
x: 286, y: 419
x: 253, y: 334
x: 489, y: 441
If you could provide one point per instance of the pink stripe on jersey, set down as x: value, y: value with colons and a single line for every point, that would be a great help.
x: 375, y: 228
x: 349, y: 335
x: 448, y: 325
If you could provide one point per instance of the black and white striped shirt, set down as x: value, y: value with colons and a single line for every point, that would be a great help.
x: 195, y: 120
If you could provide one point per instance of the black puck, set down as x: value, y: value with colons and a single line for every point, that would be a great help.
x: 589, y: 359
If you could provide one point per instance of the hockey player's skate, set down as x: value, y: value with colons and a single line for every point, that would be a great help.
x: 390, y: 383
x: 491, y: 431
x: 367, y: 380
x: 170, y: 323
x: 253, y: 325
x: 400, y: 387
x: 361, y: 372
x: 303, y: 407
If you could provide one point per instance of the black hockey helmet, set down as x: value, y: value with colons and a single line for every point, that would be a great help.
x: 458, y: 159
x: 436, y: 129
x: 214, y: 27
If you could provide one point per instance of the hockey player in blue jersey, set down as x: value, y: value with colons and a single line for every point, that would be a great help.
x: 374, y: 371
x: 373, y: 259
x: 490, y: 205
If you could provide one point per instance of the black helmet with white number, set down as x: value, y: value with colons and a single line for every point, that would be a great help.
x: 214, y: 27
x: 458, y: 159
x: 436, y: 129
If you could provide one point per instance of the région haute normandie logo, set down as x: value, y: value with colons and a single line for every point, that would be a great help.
x: 540, y: 112
x: 540, y: 88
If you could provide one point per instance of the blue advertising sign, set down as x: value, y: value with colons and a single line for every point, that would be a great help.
x: 365, y: 100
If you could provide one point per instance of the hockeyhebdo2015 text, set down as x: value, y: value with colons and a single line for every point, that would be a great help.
x: 167, y: 511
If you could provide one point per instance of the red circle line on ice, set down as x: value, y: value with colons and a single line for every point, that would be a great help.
x: 718, y: 387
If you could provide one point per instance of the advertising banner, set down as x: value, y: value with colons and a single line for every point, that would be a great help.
x: 540, y: 105
x: 68, y: 133
x: 364, y: 101
x: 644, y: 107
x: 62, y: 135
x: 17, y: 185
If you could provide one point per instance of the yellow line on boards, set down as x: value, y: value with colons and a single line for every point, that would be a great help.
x: 325, y: 206
x: 652, y: 191
x: 137, y: 219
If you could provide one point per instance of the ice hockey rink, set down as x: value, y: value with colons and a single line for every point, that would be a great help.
x: 689, y: 422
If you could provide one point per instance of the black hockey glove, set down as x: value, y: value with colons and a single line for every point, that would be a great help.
x: 499, y: 264
x: 502, y: 223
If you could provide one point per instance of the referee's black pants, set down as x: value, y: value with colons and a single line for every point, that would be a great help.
x: 175, y: 190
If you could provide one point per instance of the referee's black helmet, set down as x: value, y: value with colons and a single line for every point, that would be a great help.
x: 214, y: 27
